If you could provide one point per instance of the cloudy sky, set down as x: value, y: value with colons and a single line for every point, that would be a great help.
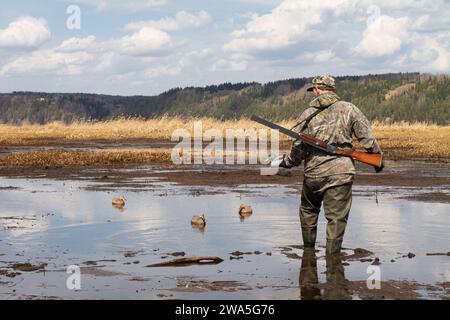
x: 149, y: 46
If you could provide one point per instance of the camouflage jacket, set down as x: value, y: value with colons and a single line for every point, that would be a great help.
x: 336, y: 125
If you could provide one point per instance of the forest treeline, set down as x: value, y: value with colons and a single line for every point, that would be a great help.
x: 410, y: 97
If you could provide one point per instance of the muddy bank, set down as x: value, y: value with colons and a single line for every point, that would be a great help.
x: 431, y: 185
x: 238, y: 177
x: 419, y: 185
x: 430, y: 197
x: 222, y: 175
x: 304, y: 282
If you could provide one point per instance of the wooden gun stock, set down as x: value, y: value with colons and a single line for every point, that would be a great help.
x: 373, y: 159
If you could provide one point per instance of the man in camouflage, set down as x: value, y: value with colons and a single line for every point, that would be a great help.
x: 329, y: 178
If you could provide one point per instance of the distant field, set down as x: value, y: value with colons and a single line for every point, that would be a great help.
x: 399, y: 141
x: 124, y: 129
x: 403, y: 141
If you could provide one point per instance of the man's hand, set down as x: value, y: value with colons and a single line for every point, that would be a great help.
x: 280, y: 162
x: 379, y: 169
x: 275, y: 163
x: 285, y: 163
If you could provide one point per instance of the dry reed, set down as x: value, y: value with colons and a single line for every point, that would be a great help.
x: 399, y: 141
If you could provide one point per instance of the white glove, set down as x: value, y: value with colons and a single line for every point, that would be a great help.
x: 275, y: 162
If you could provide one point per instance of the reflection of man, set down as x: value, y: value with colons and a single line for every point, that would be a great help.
x: 336, y: 287
x: 328, y: 178
x: 309, y: 281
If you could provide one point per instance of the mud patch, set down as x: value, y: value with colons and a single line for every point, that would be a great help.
x: 359, y: 254
x: 439, y: 197
x: 389, y: 290
x: 438, y: 254
x: 9, y: 274
x: 292, y: 251
x: 98, y: 272
x: 28, y: 267
x: 398, y: 290
x: 239, y: 253
x: 177, y: 254
x: 131, y: 254
x: 139, y: 279
x: 188, y: 284
x: 21, y: 224
x: 95, y: 262
x: 10, y: 188
x: 36, y: 297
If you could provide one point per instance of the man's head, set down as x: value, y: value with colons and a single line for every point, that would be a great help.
x: 321, y: 84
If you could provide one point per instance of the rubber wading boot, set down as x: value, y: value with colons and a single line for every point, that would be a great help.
x: 309, y: 237
x: 333, y: 246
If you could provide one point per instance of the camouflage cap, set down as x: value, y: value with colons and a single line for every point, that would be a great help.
x: 323, y: 82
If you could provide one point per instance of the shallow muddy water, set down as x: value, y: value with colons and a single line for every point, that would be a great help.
x: 63, y: 223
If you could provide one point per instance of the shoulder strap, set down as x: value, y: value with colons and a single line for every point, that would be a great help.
x: 308, y: 120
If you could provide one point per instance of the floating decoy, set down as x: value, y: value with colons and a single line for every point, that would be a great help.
x: 245, y: 210
x: 198, y: 221
x: 120, y: 201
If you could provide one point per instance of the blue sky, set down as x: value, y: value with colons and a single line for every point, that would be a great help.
x: 149, y: 46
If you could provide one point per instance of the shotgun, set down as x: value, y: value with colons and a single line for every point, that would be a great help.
x: 372, y: 159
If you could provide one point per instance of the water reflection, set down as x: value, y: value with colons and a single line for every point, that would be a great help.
x: 336, y: 287
x: 120, y: 208
x: 198, y: 228
x: 243, y: 218
x: 309, y: 280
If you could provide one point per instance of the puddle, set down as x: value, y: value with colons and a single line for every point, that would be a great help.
x: 62, y: 223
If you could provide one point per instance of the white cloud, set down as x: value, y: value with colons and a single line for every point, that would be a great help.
x: 281, y: 28
x: 25, y: 32
x: 265, y: 2
x: 236, y: 62
x: 384, y: 36
x: 162, y: 70
x: 146, y: 41
x: 420, y: 22
x: 106, y: 62
x: 319, y: 57
x: 175, y: 64
x: 127, y: 55
x: 323, y: 56
x: 182, y: 20
x: 402, y: 4
x: 291, y: 20
x: 430, y: 55
x: 76, y: 44
x: 48, y: 61
x: 229, y: 65
x: 123, y: 6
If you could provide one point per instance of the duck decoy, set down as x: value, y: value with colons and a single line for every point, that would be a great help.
x: 198, y: 221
